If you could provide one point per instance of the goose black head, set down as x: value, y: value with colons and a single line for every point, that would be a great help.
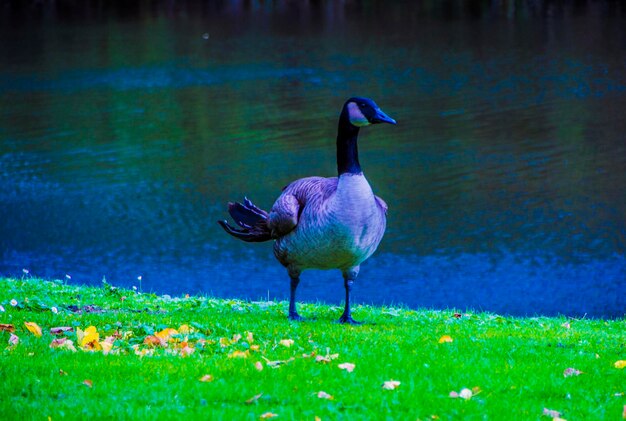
x: 363, y: 112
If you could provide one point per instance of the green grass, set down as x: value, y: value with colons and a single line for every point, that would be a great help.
x: 516, y: 365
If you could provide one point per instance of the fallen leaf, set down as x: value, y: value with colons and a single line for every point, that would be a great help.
x: 88, y: 338
x: 317, y: 418
x: 106, y: 347
x: 152, y: 340
x: 186, y: 349
x: 569, y: 372
x: 33, y: 328
x: 566, y: 325
x: 457, y: 315
x: 268, y: 415
x: 61, y: 329
x: 63, y: 343
x: 276, y: 364
x: 254, y: 347
x: 620, y: 364
x: 624, y: 412
x: 391, y: 384
x: 253, y: 399
x: 236, y: 338
x: 62, y: 373
x: 445, y: 339
x: 224, y: 342
x: 14, y: 340
x: 349, y: 367
x: 286, y: 342
x: 323, y: 395
x: 326, y: 359
x: 239, y: 354
x: 466, y: 394
x: 7, y: 327
x: 184, y: 330
x: 88, y: 383
x: 258, y: 365
x: 551, y: 413
x: 206, y: 378
x: 166, y: 334
x: 249, y: 337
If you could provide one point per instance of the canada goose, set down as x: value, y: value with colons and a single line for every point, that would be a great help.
x: 323, y: 223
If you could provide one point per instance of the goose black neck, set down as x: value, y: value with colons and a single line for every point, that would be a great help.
x: 347, y: 150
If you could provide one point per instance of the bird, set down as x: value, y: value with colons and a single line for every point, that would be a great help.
x: 322, y: 222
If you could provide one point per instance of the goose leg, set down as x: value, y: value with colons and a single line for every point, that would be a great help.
x: 293, y: 313
x: 348, y: 279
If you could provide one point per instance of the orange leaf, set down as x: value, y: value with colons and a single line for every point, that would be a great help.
x: 268, y: 415
x: 445, y: 339
x: 7, y: 327
x: 33, y: 328
x: 153, y: 341
x: 88, y: 383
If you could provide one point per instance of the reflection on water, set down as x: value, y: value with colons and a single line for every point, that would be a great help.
x: 125, y: 131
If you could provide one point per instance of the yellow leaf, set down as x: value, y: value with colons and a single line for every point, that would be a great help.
x: 184, y: 330
x: 89, y: 336
x: 206, y: 378
x: 33, y: 328
x: 349, y: 367
x: 286, y: 342
x: 239, y: 354
x: 254, y: 347
x: 445, y: 339
x: 224, y: 342
x: 268, y: 415
x: 620, y: 364
x: 317, y: 418
x: 391, y: 384
x: 166, y: 334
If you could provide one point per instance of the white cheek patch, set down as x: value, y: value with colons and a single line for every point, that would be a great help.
x: 356, y: 116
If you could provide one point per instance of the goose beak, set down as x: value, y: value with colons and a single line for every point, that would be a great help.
x: 381, y: 117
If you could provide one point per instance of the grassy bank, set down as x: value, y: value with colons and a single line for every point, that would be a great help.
x: 149, y: 357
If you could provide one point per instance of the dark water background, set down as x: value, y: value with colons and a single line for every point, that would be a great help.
x: 125, y: 127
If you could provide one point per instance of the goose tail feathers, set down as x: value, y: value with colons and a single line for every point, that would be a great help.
x: 251, y: 219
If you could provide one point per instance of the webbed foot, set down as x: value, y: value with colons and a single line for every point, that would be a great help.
x: 296, y: 317
x: 346, y: 318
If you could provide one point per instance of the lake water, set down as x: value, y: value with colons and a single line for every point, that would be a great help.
x: 125, y: 130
